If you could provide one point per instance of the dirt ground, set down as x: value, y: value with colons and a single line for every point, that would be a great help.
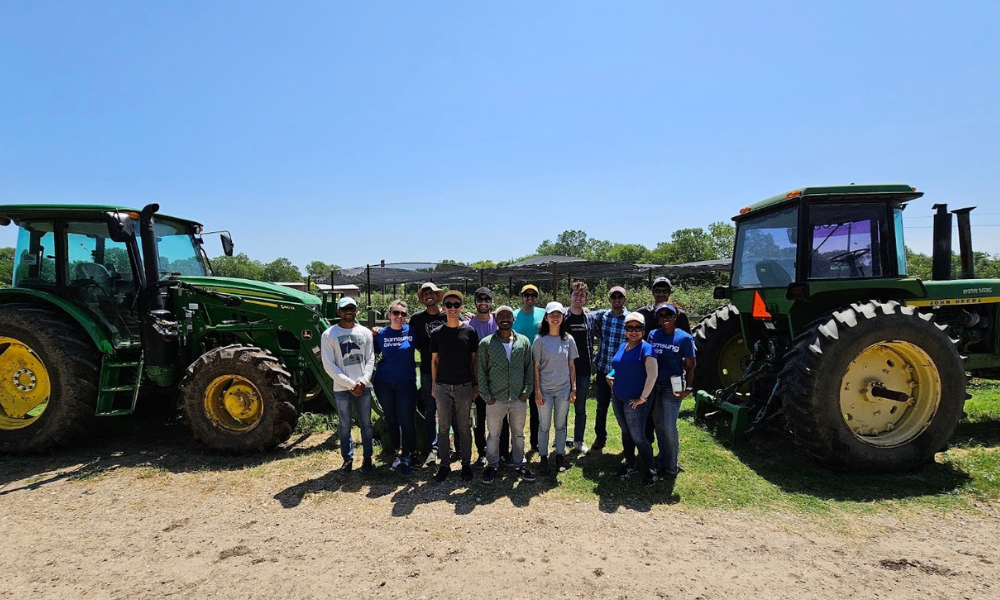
x: 131, y: 518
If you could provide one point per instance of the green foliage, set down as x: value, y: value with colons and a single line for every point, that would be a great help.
x: 919, y: 265
x: 6, y: 266
x: 282, y: 269
x: 239, y: 266
x: 318, y: 268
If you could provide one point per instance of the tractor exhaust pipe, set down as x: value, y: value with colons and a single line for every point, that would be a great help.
x: 941, y: 259
x: 965, y: 242
x: 151, y: 257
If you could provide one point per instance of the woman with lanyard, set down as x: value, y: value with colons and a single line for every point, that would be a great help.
x: 554, y: 352
x: 395, y: 383
x: 632, y: 379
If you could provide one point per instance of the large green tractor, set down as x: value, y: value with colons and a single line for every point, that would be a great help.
x: 110, y: 304
x: 827, y: 334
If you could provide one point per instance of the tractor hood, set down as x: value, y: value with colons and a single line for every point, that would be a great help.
x: 248, y: 288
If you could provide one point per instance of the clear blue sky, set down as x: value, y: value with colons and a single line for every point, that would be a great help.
x: 351, y: 132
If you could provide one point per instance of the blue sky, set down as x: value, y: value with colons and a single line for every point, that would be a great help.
x: 354, y: 132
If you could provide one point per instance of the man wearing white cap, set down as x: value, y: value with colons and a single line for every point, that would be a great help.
x: 348, y: 353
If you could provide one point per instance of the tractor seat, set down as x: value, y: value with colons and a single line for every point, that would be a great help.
x: 771, y: 274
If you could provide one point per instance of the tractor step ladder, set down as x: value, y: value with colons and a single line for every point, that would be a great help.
x: 112, y: 372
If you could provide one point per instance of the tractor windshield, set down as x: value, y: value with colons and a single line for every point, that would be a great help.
x: 765, y: 250
x: 178, y: 249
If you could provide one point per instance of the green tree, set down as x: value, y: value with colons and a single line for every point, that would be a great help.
x: 318, y: 268
x: 281, y: 269
x: 723, y: 239
x: 240, y: 266
x: 568, y: 243
x: 6, y: 266
x: 627, y: 253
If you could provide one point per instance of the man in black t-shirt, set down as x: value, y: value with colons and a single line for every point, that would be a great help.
x: 453, y: 377
x: 661, y: 293
x: 581, y: 325
x: 422, y: 324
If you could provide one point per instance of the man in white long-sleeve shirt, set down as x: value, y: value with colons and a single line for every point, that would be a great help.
x: 348, y: 353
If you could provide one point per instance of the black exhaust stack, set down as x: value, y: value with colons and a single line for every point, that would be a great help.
x: 965, y: 242
x: 151, y: 257
x: 941, y: 259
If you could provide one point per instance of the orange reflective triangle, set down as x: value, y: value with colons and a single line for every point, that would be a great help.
x: 759, y: 309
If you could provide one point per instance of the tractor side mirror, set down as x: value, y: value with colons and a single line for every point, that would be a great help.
x: 120, y: 227
x: 227, y: 244
x: 721, y: 292
x: 793, y: 235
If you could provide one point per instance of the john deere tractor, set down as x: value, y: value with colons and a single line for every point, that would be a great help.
x: 827, y: 334
x: 110, y: 302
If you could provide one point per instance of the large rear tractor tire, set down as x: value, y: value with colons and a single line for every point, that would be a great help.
x: 877, y: 386
x: 239, y: 400
x: 720, y: 348
x: 48, y: 382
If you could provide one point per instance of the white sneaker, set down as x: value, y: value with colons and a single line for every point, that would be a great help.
x: 397, y: 461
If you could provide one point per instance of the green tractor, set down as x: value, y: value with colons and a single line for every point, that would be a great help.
x: 826, y: 333
x: 109, y: 303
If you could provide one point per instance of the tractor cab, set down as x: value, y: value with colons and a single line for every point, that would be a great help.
x: 90, y: 256
x: 821, y: 244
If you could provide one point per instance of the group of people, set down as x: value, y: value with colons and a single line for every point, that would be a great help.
x: 510, y: 368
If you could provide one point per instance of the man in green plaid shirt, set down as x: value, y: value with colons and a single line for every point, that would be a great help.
x: 505, y: 382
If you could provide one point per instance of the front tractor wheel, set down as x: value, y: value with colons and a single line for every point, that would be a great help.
x: 48, y: 384
x: 722, y: 353
x: 239, y: 400
x: 877, y: 386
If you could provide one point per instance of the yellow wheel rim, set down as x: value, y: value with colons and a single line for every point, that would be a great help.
x: 233, y: 403
x: 910, y: 379
x: 24, y: 384
x: 733, y: 360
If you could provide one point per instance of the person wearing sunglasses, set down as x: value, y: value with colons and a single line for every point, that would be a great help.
x: 348, y: 355
x: 485, y: 324
x: 554, y: 353
x: 661, y: 289
x: 527, y: 321
x: 632, y: 379
x: 609, y: 327
x: 674, y: 351
x: 395, y: 384
x: 453, y: 383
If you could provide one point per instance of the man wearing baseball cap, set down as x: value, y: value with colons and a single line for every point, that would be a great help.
x: 348, y: 354
x: 527, y: 320
x: 661, y: 293
x: 609, y: 327
x: 485, y: 324
x: 422, y: 324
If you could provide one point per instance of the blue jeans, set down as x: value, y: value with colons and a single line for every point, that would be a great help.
x: 580, y: 409
x: 363, y: 404
x: 399, y: 401
x: 633, y: 424
x: 603, y: 401
x: 429, y: 408
x: 556, y: 401
x: 665, y: 413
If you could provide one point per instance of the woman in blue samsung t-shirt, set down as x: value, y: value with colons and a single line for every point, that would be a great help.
x: 632, y: 379
x: 395, y: 383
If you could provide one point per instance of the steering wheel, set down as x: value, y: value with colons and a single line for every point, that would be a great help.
x: 850, y: 255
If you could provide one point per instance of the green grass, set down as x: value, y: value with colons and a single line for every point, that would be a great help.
x: 768, y: 473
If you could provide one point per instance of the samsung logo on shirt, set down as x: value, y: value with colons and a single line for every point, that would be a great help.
x: 661, y: 348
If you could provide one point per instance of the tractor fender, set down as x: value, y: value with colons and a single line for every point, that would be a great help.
x: 99, y: 336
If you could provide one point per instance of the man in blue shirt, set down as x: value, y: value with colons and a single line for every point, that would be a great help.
x: 527, y: 320
x: 674, y: 352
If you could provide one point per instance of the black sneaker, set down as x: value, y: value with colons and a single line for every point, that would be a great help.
x: 347, y: 467
x: 489, y: 475
x: 560, y: 463
x: 597, y: 446
x: 368, y: 466
x: 480, y: 461
x: 524, y: 473
x: 650, y: 478
x: 466, y: 472
x: 544, y: 467
x: 626, y: 470
x: 442, y: 473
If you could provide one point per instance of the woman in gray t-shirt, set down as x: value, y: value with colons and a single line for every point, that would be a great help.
x: 555, y: 382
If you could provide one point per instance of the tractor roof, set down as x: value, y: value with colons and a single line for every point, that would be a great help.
x: 849, y: 193
x: 18, y: 212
